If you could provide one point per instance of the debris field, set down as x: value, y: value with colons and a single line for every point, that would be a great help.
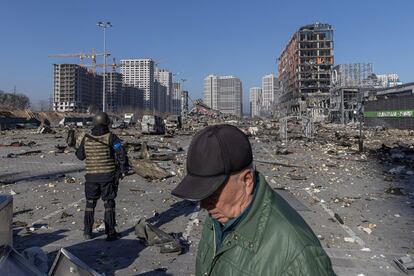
x: 359, y: 204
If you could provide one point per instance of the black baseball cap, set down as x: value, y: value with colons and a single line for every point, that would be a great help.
x: 214, y: 154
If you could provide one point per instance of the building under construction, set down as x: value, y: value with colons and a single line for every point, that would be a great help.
x: 305, y: 68
x: 76, y: 89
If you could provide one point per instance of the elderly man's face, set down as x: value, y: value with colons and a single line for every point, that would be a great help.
x: 232, y: 198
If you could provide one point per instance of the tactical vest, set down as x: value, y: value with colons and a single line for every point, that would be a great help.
x: 98, y: 155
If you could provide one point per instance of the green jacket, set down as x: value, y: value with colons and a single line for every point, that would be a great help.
x: 273, y: 239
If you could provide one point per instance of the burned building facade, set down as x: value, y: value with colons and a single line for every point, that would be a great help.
x: 348, y: 83
x: 305, y: 68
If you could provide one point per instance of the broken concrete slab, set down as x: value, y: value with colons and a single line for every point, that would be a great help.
x: 155, y: 236
x: 149, y: 170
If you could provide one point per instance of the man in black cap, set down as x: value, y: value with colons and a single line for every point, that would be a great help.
x: 250, y: 229
x: 106, y: 162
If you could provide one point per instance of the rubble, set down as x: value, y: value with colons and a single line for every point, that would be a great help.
x: 60, y: 148
x: 396, y: 191
x: 405, y: 263
x: 19, y: 144
x: 338, y: 218
x: 70, y: 180
x: 25, y: 153
x: 370, y: 192
x: 154, y: 236
x: 45, y: 129
x: 149, y: 170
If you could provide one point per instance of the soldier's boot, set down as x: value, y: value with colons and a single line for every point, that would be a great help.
x: 89, y: 219
x: 109, y: 219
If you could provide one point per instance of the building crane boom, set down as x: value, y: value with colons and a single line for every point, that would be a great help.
x: 81, y: 56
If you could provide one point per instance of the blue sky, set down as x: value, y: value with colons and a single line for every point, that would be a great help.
x: 197, y: 38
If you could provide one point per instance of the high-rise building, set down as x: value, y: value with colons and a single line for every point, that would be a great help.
x: 184, y: 103
x: 305, y: 66
x: 270, y: 93
x: 223, y: 93
x: 160, y: 97
x: 389, y: 80
x: 140, y: 73
x: 131, y: 99
x: 165, y: 78
x: 256, y: 101
x: 176, y: 98
x: 76, y: 89
x: 113, y: 91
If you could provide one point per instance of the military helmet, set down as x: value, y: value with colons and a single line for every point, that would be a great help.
x: 101, y: 118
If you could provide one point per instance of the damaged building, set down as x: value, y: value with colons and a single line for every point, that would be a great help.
x: 348, y: 81
x: 305, y: 68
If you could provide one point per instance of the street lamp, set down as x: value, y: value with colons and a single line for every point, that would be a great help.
x: 104, y: 25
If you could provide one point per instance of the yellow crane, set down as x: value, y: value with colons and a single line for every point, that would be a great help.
x: 82, y: 56
x: 114, y: 65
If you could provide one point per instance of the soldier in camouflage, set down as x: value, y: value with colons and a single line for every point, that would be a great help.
x: 106, y: 163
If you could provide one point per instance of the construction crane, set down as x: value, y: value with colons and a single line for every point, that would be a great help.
x: 82, y: 56
x: 114, y: 65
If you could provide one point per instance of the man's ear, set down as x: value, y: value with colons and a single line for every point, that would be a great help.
x: 247, y: 178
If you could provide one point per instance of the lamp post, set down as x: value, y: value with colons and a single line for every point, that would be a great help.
x: 104, y: 25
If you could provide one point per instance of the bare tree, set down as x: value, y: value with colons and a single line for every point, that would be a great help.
x: 14, y: 101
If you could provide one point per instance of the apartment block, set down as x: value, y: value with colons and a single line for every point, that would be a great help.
x: 389, y: 80
x: 139, y: 73
x: 76, y: 89
x: 165, y: 78
x: 305, y: 68
x: 160, y: 97
x: 113, y: 91
x: 270, y: 93
x: 131, y: 99
x: 223, y: 93
x: 176, y: 98
x: 256, y: 101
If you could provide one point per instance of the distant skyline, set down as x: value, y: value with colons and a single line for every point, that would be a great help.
x: 196, y: 38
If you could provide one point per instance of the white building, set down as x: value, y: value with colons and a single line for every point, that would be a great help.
x: 255, y: 101
x: 176, y: 98
x: 140, y: 73
x: 389, y: 80
x: 165, y: 78
x: 224, y: 93
x: 270, y: 93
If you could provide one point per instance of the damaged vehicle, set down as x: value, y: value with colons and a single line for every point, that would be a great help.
x: 152, y: 124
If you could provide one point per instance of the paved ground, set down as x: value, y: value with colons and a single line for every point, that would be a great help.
x: 319, y: 183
